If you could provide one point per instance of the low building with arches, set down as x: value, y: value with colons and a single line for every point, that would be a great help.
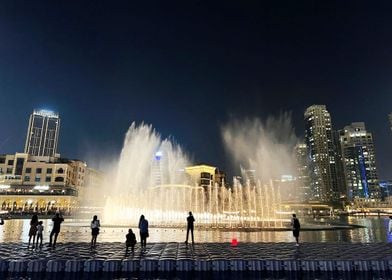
x: 40, y: 184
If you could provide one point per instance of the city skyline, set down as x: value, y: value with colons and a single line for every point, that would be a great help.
x: 187, y: 69
x: 262, y: 128
x: 45, y: 116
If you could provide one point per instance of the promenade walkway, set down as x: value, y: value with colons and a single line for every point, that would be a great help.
x: 177, y: 260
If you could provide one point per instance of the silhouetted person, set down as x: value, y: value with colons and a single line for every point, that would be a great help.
x: 95, y: 225
x: 130, y: 240
x: 57, y: 220
x: 190, y: 220
x: 40, y: 230
x: 296, y: 228
x: 143, y: 227
x: 33, y: 228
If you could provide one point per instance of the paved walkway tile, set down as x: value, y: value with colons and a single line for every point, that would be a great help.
x: 180, y: 261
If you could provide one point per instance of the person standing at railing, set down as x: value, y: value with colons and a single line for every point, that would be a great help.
x: 95, y: 225
x: 190, y: 220
x: 143, y: 227
x: 296, y: 228
x: 33, y: 228
x: 57, y: 220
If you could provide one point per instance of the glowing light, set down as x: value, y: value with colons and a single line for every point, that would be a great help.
x: 234, y: 242
x: 158, y: 155
x: 41, y: 188
x: 3, y: 187
x: 286, y: 178
x: 46, y: 113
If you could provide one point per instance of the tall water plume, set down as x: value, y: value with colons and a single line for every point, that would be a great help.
x: 265, y: 147
x: 145, y: 162
x: 150, y: 179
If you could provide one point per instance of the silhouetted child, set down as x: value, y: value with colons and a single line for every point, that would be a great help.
x: 40, y: 230
x: 131, y: 240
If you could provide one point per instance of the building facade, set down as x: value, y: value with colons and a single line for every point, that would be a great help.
x: 325, y: 185
x: 40, y: 184
x: 359, y: 162
x: 339, y: 175
x: 303, y: 172
x: 42, y: 133
x: 201, y: 175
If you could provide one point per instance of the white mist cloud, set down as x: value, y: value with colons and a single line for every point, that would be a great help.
x: 264, y: 146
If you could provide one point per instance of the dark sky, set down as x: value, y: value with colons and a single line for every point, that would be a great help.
x: 187, y: 67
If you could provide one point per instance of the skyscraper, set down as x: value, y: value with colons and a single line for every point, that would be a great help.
x: 42, y: 133
x: 303, y: 178
x: 338, y: 177
x: 359, y: 161
x: 322, y: 151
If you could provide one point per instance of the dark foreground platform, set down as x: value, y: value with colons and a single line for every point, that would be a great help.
x: 177, y: 260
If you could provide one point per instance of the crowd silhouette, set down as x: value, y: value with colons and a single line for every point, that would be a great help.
x: 36, y: 231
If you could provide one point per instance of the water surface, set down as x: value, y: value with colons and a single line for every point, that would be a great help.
x: 375, y: 230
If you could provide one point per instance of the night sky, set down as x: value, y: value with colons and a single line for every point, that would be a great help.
x: 187, y: 67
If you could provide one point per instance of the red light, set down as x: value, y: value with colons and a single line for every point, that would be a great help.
x: 234, y: 242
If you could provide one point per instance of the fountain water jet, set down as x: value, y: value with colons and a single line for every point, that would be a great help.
x: 151, y: 180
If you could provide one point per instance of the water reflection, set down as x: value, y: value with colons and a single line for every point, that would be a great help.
x: 376, y: 230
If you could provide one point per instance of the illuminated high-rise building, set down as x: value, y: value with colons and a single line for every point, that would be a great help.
x: 303, y: 172
x: 338, y: 176
x: 326, y: 185
x: 359, y: 162
x: 42, y: 133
